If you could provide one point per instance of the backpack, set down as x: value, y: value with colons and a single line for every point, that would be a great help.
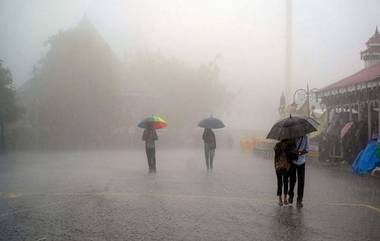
x: 281, y: 161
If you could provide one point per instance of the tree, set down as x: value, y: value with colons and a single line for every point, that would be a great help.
x: 181, y: 93
x: 9, y: 111
x: 74, y: 96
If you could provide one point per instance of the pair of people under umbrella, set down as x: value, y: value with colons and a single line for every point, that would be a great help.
x: 289, y: 163
x: 290, y: 151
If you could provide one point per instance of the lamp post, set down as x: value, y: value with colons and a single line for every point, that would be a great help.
x: 308, y: 92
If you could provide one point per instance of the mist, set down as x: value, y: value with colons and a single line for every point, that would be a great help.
x: 245, y: 39
x: 180, y: 120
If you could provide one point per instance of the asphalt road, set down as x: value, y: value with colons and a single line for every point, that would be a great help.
x: 111, y: 196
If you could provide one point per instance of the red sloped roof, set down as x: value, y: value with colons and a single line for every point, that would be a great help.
x: 362, y: 76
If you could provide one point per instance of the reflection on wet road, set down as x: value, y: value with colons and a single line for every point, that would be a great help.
x: 111, y: 196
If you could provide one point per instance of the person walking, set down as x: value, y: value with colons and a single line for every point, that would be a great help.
x: 297, y: 168
x: 210, y: 146
x: 281, y: 165
x: 150, y: 136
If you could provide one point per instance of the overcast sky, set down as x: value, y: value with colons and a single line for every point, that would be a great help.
x: 249, y: 35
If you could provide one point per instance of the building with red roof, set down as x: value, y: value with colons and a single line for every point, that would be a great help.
x: 371, y: 55
x: 356, y: 98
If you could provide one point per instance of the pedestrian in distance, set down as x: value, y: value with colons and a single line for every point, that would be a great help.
x: 150, y: 136
x: 282, y: 165
x: 209, y: 147
x: 297, y: 168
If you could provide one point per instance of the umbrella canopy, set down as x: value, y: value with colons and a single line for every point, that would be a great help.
x: 153, y: 121
x: 346, y: 128
x: 313, y: 122
x: 292, y: 127
x: 212, y: 123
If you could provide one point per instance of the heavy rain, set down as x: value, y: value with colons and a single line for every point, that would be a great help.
x: 189, y: 120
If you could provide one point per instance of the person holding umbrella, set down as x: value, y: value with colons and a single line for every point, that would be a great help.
x: 150, y: 136
x: 210, y: 146
x: 150, y: 124
x: 282, y: 165
x: 209, y: 138
x: 295, y: 129
x: 297, y: 169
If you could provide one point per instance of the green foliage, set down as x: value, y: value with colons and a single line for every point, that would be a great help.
x: 81, y: 96
x: 74, y: 96
x: 8, y: 107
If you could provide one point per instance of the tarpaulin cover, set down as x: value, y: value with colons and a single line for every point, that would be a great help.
x: 366, y: 160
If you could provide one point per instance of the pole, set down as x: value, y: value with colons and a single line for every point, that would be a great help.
x: 350, y: 114
x: 2, y: 135
x: 308, y: 100
x: 369, y: 118
x: 288, y: 57
x: 328, y: 115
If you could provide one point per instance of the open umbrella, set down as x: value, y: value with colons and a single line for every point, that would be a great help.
x: 212, y: 123
x: 153, y: 121
x: 292, y: 127
x: 313, y: 121
x: 346, y: 128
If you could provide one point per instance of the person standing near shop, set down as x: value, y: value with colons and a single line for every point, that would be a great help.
x: 297, y: 169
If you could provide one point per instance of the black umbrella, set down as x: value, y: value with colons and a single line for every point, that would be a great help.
x: 212, y: 123
x: 313, y: 122
x: 292, y: 127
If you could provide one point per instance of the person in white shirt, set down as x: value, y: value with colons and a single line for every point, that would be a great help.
x: 297, y: 169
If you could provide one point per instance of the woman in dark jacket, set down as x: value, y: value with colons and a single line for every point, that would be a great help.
x: 281, y: 165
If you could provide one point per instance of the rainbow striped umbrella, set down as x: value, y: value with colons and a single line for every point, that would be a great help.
x: 153, y: 121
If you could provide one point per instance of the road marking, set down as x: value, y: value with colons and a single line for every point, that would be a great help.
x: 263, y: 200
x: 356, y: 205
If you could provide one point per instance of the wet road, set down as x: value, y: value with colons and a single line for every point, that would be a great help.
x: 110, y: 196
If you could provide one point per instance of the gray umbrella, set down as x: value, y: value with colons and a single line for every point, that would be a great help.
x: 292, y: 127
x: 212, y: 123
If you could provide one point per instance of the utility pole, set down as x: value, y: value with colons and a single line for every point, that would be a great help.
x: 289, y: 48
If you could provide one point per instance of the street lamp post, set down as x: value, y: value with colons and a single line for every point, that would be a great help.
x: 308, y: 92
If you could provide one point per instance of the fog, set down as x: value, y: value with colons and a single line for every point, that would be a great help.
x: 85, y: 84
x: 245, y: 39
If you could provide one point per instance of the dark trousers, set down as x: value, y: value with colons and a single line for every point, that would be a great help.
x: 151, y: 155
x: 209, y: 154
x: 282, y: 182
x: 297, y: 174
